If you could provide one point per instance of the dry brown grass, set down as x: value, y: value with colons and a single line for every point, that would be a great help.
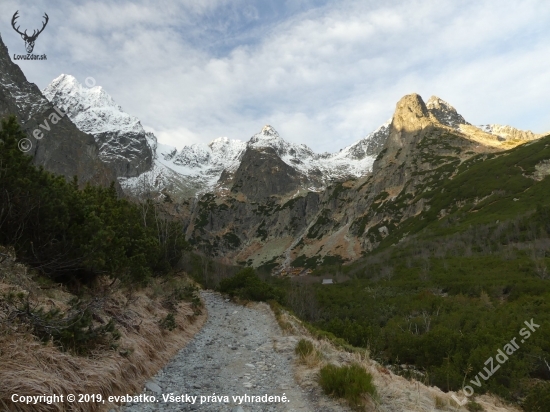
x: 28, y: 367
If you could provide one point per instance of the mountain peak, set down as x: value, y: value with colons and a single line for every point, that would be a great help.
x: 91, y: 109
x: 65, y: 79
x: 269, y: 131
x: 121, y: 138
x: 268, y: 136
x: 445, y: 113
x: 437, y: 102
x: 411, y: 113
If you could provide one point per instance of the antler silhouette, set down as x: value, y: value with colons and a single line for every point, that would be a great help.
x: 13, y: 19
x: 43, y: 26
x: 35, y: 33
x: 29, y: 40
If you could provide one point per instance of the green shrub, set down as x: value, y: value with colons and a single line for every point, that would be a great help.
x: 72, y: 331
x: 187, y: 293
x: 73, y: 234
x: 304, y: 348
x: 538, y: 399
x: 473, y: 406
x: 348, y: 382
x: 247, y: 285
x: 169, y: 322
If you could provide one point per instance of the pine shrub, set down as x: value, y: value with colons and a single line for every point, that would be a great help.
x: 348, y: 382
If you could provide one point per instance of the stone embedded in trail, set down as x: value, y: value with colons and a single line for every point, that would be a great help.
x: 153, y: 387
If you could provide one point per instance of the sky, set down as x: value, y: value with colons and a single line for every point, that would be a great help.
x: 322, y: 72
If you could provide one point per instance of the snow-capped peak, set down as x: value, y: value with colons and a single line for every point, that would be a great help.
x: 268, y: 137
x: 504, y: 132
x: 268, y: 130
x: 92, y: 110
x: 198, y: 167
x: 370, y: 145
x: 224, y: 148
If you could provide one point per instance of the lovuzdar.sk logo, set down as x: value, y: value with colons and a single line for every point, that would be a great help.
x: 29, y: 39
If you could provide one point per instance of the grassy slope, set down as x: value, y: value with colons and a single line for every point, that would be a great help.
x: 497, y: 179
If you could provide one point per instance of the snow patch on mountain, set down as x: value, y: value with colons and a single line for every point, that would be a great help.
x: 195, y: 169
x: 353, y: 161
x: 504, y: 132
x: 201, y: 166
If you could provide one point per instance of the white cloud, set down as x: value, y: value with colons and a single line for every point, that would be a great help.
x: 324, y: 77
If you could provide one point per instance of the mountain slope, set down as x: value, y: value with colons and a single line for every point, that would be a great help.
x: 268, y: 201
x: 64, y: 149
x: 348, y: 218
x: 121, y: 139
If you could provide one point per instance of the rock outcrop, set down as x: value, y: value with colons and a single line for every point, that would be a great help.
x: 143, y: 166
x: 445, y: 113
x: 506, y: 133
x: 267, y: 201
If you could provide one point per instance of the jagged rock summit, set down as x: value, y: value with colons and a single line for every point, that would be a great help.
x: 413, y: 114
x: 122, y: 141
x: 505, y: 133
x: 93, y: 109
x: 445, y: 113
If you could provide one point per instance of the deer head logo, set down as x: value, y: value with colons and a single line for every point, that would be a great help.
x: 29, y: 40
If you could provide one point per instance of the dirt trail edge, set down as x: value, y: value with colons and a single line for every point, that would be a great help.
x: 239, y: 351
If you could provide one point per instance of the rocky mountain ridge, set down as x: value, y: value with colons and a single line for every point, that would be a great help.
x: 349, y: 217
x: 267, y: 202
x: 143, y: 165
x: 61, y: 147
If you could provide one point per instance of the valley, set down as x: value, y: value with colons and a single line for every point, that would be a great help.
x: 432, y: 235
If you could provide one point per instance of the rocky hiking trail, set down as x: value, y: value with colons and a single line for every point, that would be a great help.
x: 240, y: 350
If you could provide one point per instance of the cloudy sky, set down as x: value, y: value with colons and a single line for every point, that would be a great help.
x: 322, y: 72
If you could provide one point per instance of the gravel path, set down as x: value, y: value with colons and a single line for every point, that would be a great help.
x: 239, y: 351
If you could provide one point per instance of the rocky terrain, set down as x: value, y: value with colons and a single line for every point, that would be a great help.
x: 242, y: 350
x: 143, y: 165
x: 239, y: 351
x: 62, y: 148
